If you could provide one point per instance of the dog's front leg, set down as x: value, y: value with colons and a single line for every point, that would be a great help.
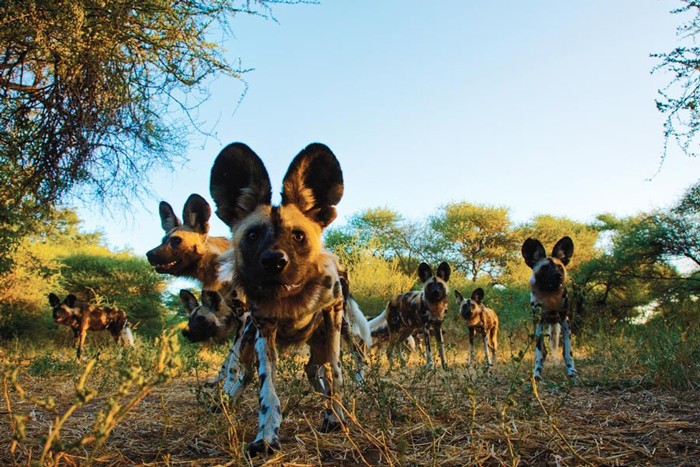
x: 332, y: 373
x: 82, y: 334
x: 472, y: 356
x: 270, y: 413
x: 428, y: 352
x: 540, y: 351
x: 239, y: 371
x: 441, y: 346
x: 568, y: 358
x: 232, y: 364
x: 486, y: 349
x: 358, y: 352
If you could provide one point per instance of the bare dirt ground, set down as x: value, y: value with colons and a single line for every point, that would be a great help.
x: 463, y: 416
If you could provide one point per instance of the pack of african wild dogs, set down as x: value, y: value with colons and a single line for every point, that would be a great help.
x: 272, y: 286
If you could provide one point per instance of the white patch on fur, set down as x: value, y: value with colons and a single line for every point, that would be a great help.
x: 226, y: 265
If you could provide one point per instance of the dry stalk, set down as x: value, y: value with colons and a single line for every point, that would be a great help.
x: 550, y: 422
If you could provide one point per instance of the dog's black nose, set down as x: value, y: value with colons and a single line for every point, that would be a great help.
x: 274, y: 261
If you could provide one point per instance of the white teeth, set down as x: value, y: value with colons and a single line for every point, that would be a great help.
x: 292, y: 286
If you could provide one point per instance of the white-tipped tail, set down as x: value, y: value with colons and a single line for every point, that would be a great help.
x: 359, y: 326
x: 126, y: 336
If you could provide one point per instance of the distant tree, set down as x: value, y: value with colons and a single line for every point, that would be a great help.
x: 679, y: 100
x: 384, y: 233
x: 88, y: 91
x: 478, y: 239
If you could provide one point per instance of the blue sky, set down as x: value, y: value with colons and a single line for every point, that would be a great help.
x: 544, y: 107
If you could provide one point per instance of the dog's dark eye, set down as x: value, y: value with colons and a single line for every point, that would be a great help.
x: 175, y: 242
x: 298, y: 235
x: 253, y: 235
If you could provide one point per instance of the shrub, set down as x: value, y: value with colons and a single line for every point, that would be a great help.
x: 118, y: 280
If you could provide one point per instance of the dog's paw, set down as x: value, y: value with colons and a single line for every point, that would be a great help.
x: 330, y: 422
x: 260, y: 446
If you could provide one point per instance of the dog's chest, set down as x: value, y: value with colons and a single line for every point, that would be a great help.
x: 553, y: 304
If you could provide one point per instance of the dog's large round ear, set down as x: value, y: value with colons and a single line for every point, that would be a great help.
x: 54, y: 300
x: 424, y: 272
x: 189, y: 301
x: 478, y: 295
x: 211, y: 299
x: 460, y: 297
x: 314, y: 183
x: 444, y: 271
x: 70, y: 300
x: 564, y: 250
x: 196, y: 214
x: 532, y: 251
x: 239, y: 183
x: 168, y: 219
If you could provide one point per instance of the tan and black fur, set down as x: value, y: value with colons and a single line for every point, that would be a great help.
x: 480, y: 319
x: 292, y: 283
x: 83, y: 317
x: 548, y: 294
x: 420, y: 309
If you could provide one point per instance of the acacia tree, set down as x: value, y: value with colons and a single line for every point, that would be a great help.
x: 478, y: 238
x: 679, y: 100
x: 89, y: 91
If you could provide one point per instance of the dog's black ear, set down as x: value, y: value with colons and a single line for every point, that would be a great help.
x: 196, y: 214
x: 189, y: 301
x: 54, y: 300
x: 314, y: 184
x: 564, y: 250
x: 211, y: 299
x: 478, y: 295
x: 70, y: 300
x: 424, y: 272
x: 460, y: 297
x: 532, y: 251
x: 444, y: 271
x: 239, y: 183
x: 168, y: 219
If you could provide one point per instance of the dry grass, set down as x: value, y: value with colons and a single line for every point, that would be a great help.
x: 410, y: 416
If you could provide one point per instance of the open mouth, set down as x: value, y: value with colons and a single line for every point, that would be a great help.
x: 165, y: 267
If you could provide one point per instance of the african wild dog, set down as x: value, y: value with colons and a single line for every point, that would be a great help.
x: 292, y: 283
x: 187, y: 250
x: 548, y: 291
x: 84, y: 317
x: 480, y: 319
x: 407, y: 312
x: 215, y: 318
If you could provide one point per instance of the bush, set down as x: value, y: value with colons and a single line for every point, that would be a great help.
x: 120, y: 280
